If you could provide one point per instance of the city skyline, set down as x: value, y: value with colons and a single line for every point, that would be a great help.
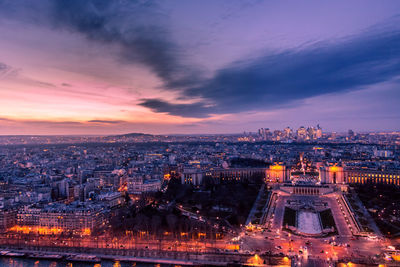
x: 176, y: 67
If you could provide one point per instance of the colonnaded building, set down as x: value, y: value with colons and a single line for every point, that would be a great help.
x: 337, y: 175
x: 281, y: 173
x: 313, y: 199
x: 305, y: 198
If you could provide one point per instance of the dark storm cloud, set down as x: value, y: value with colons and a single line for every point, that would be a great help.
x: 197, y: 110
x: 137, y: 28
x: 123, y: 23
x: 279, y: 79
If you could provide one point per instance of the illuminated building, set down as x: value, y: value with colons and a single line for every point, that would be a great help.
x: 311, y: 133
x: 277, y: 173
x: 350, y: 175
x: 365, y: 176
x: 138, y: 185
x: 331, y: 175
x: 301, y: 133
x: 7, y: 219
x: 111, y: 199
x: 383, y: 153
x: 288, y: 132
x: 192, y: 176
x: 76, y: 218
x: 319, y: 132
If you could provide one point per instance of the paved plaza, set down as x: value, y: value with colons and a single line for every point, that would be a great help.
x: 308, y: 222
x: 312, y: 246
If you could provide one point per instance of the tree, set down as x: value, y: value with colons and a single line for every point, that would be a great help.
x: 171, y: 221
x: 155, y: 224
x: 127, y: 198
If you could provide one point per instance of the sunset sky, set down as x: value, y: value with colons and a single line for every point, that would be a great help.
x: 179, y: 66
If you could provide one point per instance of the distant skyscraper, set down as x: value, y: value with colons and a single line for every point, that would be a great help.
x: 311, y: 133
x: 267, y: 134
x: 319, y: 132
x: 288, y: 132
x: 262, y: 133
x: 301, y: 133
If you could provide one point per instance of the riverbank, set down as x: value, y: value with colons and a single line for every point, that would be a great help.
x: 138, y: 256
x: 93, y: 257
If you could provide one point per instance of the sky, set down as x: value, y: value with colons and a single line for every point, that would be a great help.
x: 110, y: 67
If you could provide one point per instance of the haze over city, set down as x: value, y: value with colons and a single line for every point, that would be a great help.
x: 112, y: 67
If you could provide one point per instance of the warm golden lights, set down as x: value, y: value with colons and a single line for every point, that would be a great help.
x: 255, y: 261
x: 36, y: 229
x: 276, y: 167
x: 43, y: 230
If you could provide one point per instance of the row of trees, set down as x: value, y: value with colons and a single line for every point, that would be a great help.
x: 151, y: 222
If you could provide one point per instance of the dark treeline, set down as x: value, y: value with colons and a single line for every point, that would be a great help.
x: 186, y: 211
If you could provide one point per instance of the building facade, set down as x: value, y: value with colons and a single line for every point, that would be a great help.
x: 58, y: 218
x: 349, y: 175
x: 277, y: 173
x: 196, y: 176
x: 139, y: 186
